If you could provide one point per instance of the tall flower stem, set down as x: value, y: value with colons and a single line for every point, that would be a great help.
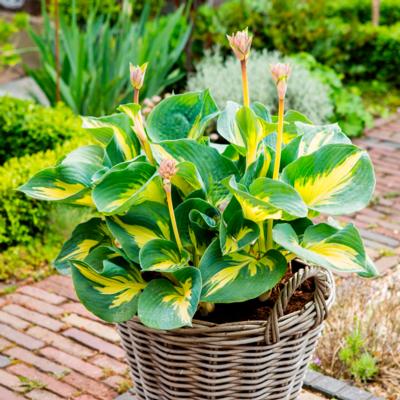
x: 167, y: 188
x: 245, y: 83
x: 277, y: 163
x: 136, y: 96
x: 261, y: 240
x: 57, y: 49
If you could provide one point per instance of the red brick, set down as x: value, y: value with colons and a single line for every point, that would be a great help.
x: 99, y: 329
x: 60, y: 342
x: 386, y: 263
x: 60, y: 285
x: 6, y: 394
x: 34, y: 304
x: 72, y: 362
x: 95, y: 343
x: 115, y: 381
x: 79, y: 308
x: 41, y: 294
x: 10, y: 380
x: 34, y: 317
x: 104, y: 361
x: 40, y: 394
x: 98, y: 389
x: 52, y: 384
x: 42, y: 363
x: 85, y: 397
x: 13, y: 321
x: 4, y: 344
x: 20, y: 338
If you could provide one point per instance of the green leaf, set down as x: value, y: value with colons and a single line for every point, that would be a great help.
x: 181, y: 116
x: 112, y: 293
x: 336, y: 179
x: 236, y: 232
x: 239, y: 276
x: 370, y: 269
x: 127, y: 184
x: 70, y: 180
x: 212, y: 166
x: 141, y: 224
x: 267, y: 199
x: 164, y: 305
x: 83, y: 240
x: 227, y: 126
x: 187, y: 179
x: 115, y: 133
x: 162, y: 256
x: 325, y: 246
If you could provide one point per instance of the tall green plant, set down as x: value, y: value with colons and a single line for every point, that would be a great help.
x: 95, y: 57
x: 179, y: 223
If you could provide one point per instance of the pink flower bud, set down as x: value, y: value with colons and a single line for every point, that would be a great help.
x: 167, y: 169
x: 280, y: 74
x: 137, y: 74
x: 240, y: 43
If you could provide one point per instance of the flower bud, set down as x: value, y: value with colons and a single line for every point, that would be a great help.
x: 280, y: 74
x: 167, y: 169
x: 240, y: 43
x: 137, y: 74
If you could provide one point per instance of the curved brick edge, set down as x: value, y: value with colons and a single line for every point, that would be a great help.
x: 340, y: 390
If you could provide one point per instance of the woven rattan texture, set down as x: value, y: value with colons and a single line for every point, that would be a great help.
x: 255, y: 360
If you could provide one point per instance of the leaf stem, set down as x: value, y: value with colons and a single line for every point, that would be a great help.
x: 167, y: 188
x: 277, y: 163
x: 245, y: 84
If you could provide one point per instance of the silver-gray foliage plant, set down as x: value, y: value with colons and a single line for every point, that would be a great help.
x: 305, y: 92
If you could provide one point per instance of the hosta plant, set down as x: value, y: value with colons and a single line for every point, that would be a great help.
x: 179, y: 225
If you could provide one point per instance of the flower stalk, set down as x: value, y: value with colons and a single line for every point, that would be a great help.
x: 167, y: 170
x: 137, y: 74
x: 138, y: 127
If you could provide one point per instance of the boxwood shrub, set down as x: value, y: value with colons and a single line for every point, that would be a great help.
x: 22, y: 219
x: 26, y: 127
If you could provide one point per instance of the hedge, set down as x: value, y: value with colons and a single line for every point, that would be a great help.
x: 21, y: 218
x: 26, y: 127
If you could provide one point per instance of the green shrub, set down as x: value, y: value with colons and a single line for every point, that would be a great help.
x: 305, y: 92
x: 26, y: 127
x: 360, y: 10
x: 21, y: 218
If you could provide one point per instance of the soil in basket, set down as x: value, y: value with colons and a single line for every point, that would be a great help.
x: 257, y: 310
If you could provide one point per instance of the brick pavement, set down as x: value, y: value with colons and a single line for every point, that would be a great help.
x: 53, y: 348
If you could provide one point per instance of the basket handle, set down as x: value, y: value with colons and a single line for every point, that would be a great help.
x: 322, y: 291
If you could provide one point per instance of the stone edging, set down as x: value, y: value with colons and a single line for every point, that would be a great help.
x: 341, y: 390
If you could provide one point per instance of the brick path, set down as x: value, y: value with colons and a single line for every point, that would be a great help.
x: 52, y: 348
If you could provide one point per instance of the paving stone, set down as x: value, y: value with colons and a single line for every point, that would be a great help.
x: 6, y: 394
x: 95, y: 343
x: 13, y: 321
x: 40, y: 362
x: 42, y: 294
x: 309, y: 396
x: 56, y: 386
x: 72, y: 362
x: 311, y: 376
x: 386, y: 263
x: 40, y: 394
x: 79, y: 308
x: 34, y: 317
x: 95, y: 388
x: 126, y: 396
x: 4, y: 344
x: 85, y: 397
x: 104, y: 361
x: 60, y: 342
x: 35, y: 304
x: 115, y: 381
x: 104, y: 331
x: 10, y: 381
x: 353, y: 393
x: 20, y: 338
x: 328, y: 385
x: 4, y: 361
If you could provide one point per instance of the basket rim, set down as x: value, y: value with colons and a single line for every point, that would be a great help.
x: 204, y: 327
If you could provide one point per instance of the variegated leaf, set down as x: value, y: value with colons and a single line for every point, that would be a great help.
x: 326, y: 246
x: 141, y: 224
x: 267, y: 199
x: 239, y: 276
x: 125, y: 185
x: 84, y: 239
x: 336, y: 179
x: 164, y: 305
x: 70, y: 180
x: 162, y: 255
x: 111, y: 293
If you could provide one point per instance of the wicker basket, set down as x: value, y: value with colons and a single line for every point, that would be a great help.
x: 257, y: 360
